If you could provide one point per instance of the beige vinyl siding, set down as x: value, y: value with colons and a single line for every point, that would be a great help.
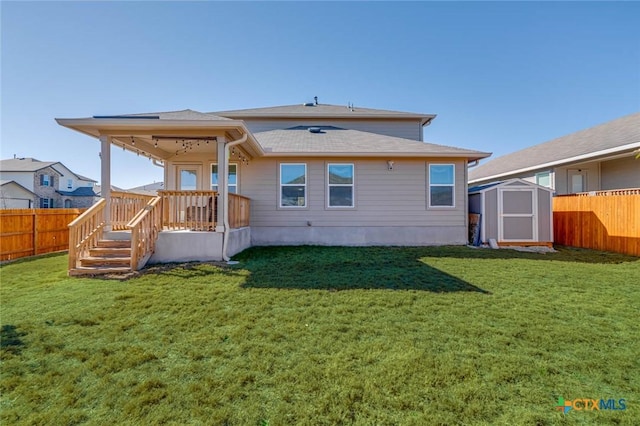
x: 408, y: 129
x: 13, y: 196
x: 620, y: 173
x: 382, y: 197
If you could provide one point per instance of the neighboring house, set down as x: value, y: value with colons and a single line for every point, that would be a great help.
x: 148, y: 189
x: 15, y: 196
x: 54, y: 185
x: 598, y: 158
x: 314, y: 174
x: 98, y: 189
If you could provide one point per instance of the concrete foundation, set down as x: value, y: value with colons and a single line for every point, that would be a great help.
x: 239, y: 240
x: 360, y: 236
x: 187, y: 246
x: 191, y: 246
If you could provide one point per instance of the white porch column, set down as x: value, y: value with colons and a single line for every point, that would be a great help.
x: 105, y: 177
x: 223, y: 172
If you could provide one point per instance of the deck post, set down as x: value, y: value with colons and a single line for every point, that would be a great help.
x: 105, y: 178
x: 223, y: 172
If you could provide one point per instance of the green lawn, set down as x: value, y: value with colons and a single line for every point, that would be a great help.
x: 324, y: 336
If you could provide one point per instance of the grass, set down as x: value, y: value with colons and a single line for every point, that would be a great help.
x: 321, y: 335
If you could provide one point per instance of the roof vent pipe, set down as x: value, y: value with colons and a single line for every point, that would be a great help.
x: 315, y: 99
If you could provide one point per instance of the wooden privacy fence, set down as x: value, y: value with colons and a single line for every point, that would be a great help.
x: 603, y: 220
x: 27, y: 232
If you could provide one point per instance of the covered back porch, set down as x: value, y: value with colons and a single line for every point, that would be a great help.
x: 185, y: 221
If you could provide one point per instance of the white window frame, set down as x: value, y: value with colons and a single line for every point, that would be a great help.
x: 452, y: 185
x: 69, y: 183
x: 541, y: 174
x: 532, y: 215
x: 280, y: 185
x: 236, y: 185
x: 46, y: 203
x: 188, y: 167
x: 47, y: 180
x: 352, y: 185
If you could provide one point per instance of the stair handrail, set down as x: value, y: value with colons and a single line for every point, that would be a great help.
x: 145, y: 226
x: 85, y: 231
x: 124, y: 206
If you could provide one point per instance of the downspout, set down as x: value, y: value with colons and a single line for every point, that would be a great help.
x: 225, y: 195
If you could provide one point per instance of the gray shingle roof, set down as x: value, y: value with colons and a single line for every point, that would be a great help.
x: 186, y: 114
x: 85, y: 178
x: 320, y: 111
x: 333, y: 140
x: 607, y: 136
x: 24, y: 165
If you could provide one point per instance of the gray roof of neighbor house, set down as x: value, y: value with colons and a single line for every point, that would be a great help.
x: 33, y: 165
x: 185, y: 114
x: 322, y: 111
x: 622, y: 134
x: 85, y: 178
x: 24, y: 165
x: 334, y: 141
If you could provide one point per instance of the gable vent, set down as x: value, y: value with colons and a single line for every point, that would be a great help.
x: 314, y: 129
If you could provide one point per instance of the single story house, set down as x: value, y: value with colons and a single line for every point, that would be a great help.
x: 596, y: 159
x: 298, y: 174
x: 15, y: 196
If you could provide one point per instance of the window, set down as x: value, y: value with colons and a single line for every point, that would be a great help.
x: 67, y: 204
x: 544, y: 179
x: 441, y: 185
x: 46, y: 180
x: 232, y: 178
x: 340, y: 182
x: 293, y: 185
x: 188, y: 180
x: 69, y: 183
x: 46, y: 203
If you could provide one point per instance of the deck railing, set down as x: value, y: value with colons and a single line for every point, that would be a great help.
x: 238, y: 211
x: 189, y: 210
x: 124, y: 206
x: 85, y: 231
x: 144, y: 232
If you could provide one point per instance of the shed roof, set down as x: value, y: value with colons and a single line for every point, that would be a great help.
x: 617, y: 135
x: 516, y: 183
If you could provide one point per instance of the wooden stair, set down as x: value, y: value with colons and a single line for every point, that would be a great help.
x: 108, y: 257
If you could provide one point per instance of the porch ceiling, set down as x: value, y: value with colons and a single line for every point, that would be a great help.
x: 162, y: 139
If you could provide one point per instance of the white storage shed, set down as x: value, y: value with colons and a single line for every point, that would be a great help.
x: 513, y: 212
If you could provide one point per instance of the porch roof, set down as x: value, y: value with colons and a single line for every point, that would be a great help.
x: 141, y: 132
x: 333, y: 141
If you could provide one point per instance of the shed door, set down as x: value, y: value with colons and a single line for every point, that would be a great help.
x: 517, y: 208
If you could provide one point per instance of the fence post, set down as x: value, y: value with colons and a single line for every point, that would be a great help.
x: 35, y: 232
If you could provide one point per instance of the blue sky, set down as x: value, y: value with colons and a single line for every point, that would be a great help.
x: 501, y: 76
